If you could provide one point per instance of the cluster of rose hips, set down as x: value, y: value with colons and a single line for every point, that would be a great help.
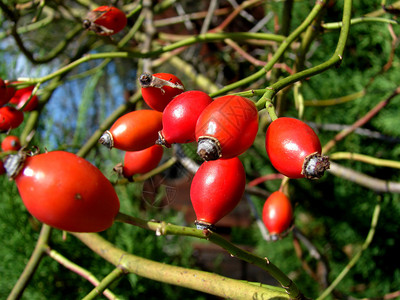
x: 223, y: 128
x: 13, y: 104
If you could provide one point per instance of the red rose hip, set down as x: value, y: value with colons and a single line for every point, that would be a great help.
x: 140, y: 162
x: 11, y: 143
x: 180, y: 117
x: 134, y: 131
x: 64, y: 191
x: 216, y: 189
x: 226, y: 128
x: 10, y: 118
x: 294, y: 149
x: 277, y: 214
x: 159, y: 89
x: 105, y: 20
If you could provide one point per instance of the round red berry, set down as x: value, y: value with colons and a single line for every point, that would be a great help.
x: 226, y: 128
x: 180, y: 117
x: 105, y: 20
x: 216, y: 189
x: 294, y: 149
x: 277, y: 214
x: 11, y: 143
x: 159, y: 89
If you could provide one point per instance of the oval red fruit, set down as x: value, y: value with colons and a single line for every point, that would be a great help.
x: 21, y: 97
x: 134, y: 131
x: 10, y: 118
x: 180, y: 117
x: 277, y: 214
x: 159, y: 89
x: 143, y: 161
x: 216, y: 189
x: 294, y: 149
x: 226, y: 128
x: 65, y: 191
x: 6, y: 92
x: 105, y: 20
x: 11, y: 143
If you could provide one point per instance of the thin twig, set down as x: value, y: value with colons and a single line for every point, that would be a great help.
x: 353, y: 261
x: 62, y: 260
x: 377, y: 185
x: 366, y: 118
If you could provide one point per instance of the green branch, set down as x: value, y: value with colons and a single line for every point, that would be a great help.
x: 194, y: 279
x: 62, y: 260
x: 279, y: 52
x: 333, y: 61
x: 162, y: 228
x: 338, y: 25
x: 32, y: 264
x: 365, y: 158
x: 202, y: 38
x: 353, y: 261
x: 102, y: 286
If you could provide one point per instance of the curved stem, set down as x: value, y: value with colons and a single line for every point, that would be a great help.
x: 353, y: 261
x: 333, y: 61
x: 360, y: 122
x: 365, y: 158
x: 194, y: 279
x: 338, y: 25
x: 102, y: 286
x: 377, y: 185
x: 162, y: 228
x: 202, y: 38
x: 32, y: 264
x: 62, y: 260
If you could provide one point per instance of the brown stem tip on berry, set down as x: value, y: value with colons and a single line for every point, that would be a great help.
x: 161, y: 141
x: 209, y: 148
x: 315, y: 165
x: 204, y: 225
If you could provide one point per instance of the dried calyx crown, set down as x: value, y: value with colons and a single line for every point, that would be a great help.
x: 13, y: 163
x: 107, y: 139
x: 147, y: 80
x: 209, y: 148
x: 315, y: 165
